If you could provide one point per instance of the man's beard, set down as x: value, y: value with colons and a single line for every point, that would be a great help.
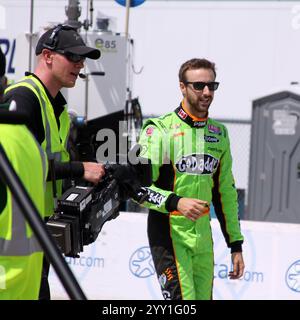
x: 196, y: 106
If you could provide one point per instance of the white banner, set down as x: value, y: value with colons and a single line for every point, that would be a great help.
x: 119, y: 264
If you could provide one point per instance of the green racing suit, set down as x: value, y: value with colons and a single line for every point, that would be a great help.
x: 190, y: 158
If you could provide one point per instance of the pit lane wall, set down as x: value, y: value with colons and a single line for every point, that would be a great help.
x: 119, y: 264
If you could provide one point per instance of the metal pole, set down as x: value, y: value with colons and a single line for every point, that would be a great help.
x: 127, y: 18
x: 32, y: 216
x: 86, y: 107
x: 128, y: 101
x: 30, y: 35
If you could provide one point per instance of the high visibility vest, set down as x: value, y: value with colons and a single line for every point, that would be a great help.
x: 55, y: 142
x: 20, y: 254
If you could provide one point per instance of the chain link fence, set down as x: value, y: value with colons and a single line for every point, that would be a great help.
x: 240, y: 136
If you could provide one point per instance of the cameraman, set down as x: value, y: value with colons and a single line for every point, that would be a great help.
x: 61, y: 53
x: 21, y: 257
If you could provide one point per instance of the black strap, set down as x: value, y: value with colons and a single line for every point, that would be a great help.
x: 12, y: 117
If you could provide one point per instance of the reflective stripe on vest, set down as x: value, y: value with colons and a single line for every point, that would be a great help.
x: 55, y: 139
x: 51, y: 155
x: 20, y: 244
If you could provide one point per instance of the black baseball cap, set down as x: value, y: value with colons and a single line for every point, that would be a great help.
x: 65, y: 39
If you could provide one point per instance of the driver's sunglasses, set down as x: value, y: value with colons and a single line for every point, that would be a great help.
x: 199, y: 86
x: 72, y: 56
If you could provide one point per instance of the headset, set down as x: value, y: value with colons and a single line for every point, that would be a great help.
x: 51, y: 43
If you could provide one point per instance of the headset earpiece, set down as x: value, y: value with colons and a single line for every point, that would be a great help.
x: 51, y: 43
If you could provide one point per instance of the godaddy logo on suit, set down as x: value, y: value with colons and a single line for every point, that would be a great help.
x: 197, y: 164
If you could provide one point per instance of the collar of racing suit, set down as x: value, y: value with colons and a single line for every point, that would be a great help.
x: 189, y: 119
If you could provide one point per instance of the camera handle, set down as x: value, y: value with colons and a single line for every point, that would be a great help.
x: 36, y: 223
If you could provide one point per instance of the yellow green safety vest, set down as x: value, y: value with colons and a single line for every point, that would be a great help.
x: 20, y: 254
x: 55, y: 142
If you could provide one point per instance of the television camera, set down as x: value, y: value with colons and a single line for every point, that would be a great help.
x: 82, y: 210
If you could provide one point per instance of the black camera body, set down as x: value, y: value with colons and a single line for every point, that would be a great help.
x: 82, y: 210
x: 81, y: 213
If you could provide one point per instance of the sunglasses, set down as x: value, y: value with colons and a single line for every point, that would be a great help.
x: 72, y: 56
x: 199, y: 86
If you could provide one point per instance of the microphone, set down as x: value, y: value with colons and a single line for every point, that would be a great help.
x: 95, y: 73
x: 98, y: 73
x: 82, y: 76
